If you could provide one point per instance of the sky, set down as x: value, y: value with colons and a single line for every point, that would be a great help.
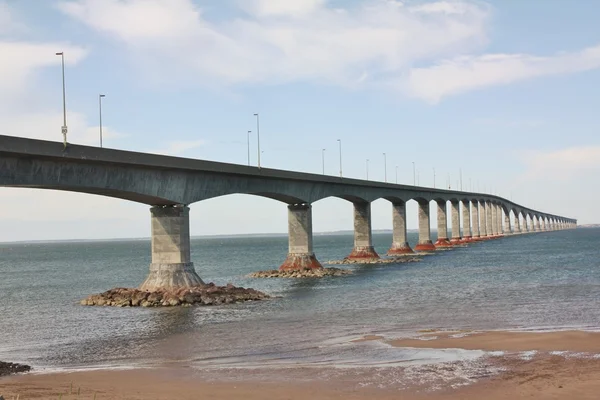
x: 504, y: 93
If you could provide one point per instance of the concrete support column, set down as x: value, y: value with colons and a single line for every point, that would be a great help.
x: 442, y: 225
x: 543, y: 225
x: 424, y: 230
x: 488, y: 219
x: 531, y: 225
x: 538, y: 226
x: 494, y: 216
x: 475, y: 218
x: 466, y: 221
x: 399, y: 242
x: 535, y: 225
x: 455, y: 210
x: 499, y: 219
x: 171, y: 265
x: 518, y: 228
x: 507, y: 227
x: 482, y: 219
x: 300, y: 240
x: 363, y: 240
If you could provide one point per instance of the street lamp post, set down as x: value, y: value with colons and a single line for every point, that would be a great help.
x: 248, y: 143
x: 367, y: 169
x: 64, y: 127
x: 460, y: 171
x: 323, y: 160
x: 414, y: 175
x: 434, y: 178
x: 384, y: 168
x: 340, y: 142
x: 258, y: 136
x: 100, y: 96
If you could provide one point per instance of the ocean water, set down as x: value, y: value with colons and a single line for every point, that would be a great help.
x: 549, y: 280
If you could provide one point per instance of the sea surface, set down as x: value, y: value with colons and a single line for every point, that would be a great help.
x: 542, y: 281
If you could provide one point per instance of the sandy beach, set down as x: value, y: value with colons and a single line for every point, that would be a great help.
x: 551, y: 365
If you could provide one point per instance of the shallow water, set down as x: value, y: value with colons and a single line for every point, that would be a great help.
x: 540, y: 281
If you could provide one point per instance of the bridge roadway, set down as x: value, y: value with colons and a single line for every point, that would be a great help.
x: 170, y: 184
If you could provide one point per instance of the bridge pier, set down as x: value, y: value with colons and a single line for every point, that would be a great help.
x: 475, y: 219
x: 425, y: 243
x: 466, y: 217
x: 494, y: 218
x: 543, y: 224
x: 399, y: 242
x: 171, y: 265
x: 300, y: 240
x: 363, y: 239
x: 442, y: 225
x: 488, y: 219
x: 499, y: 219
x: 482, y: 221
x: 507, y: 227
x: 455, y: 210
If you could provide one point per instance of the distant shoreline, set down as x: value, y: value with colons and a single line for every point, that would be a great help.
x: 223, y: 236
x: 226, y: 236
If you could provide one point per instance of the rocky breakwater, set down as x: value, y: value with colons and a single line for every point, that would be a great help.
x: 204, y: 295
x: 304, y: 273
x: 390, y: 260
x: 7, y: 368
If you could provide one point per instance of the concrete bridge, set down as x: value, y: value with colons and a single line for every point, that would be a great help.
x: 170, y: 184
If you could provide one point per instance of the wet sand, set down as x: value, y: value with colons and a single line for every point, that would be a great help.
x: 542, y: 375
x: 574, y: 341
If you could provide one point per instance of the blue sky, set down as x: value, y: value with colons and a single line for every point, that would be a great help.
x: 505, y: 91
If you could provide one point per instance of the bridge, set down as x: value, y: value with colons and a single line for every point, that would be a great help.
x: 170, y: 184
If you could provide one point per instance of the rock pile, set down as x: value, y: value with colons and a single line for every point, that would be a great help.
x: 391, y: 260
x: 305, y: 273
x: 205, y: 295
x: 7, y: 368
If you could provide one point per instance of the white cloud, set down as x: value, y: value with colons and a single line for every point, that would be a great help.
x: 374, y: 42
x: 279, y: 8
x: 133, y: 20
x: 23, y: 111
x: 562, y: 164
x: 466, y: 73
x: 283, y: 41
x: 28, y: 59
x: 444, y: 7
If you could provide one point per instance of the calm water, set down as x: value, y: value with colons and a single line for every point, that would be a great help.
x: 545, y: 280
